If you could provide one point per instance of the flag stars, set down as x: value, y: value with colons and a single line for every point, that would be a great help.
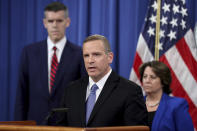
x: 160, y: 46
x: 173, y: 22
x: 166, y: 7
x: 183, y: 24
x: 175, y: 9
x: 153, y: 19
x: 164, y: 20
x: 151, y: 31
x: 161, y: 33
x: 183, y: 1
x: 183, y: 12
x: 172, y: 35
x: 145, y: 19
x: 155, y: 6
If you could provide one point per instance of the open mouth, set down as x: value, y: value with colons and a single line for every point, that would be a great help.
x: 91, y: 68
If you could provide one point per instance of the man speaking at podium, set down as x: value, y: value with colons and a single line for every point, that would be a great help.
x: 104, y: 98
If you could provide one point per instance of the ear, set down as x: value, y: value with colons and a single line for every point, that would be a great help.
x: 68, y: 21
x: 110, y: 57
x: 44, y: 23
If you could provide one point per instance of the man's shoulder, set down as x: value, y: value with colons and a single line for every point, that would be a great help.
x: 126, y: 88
x: 73, y: 46
x: 36, y: 45
x: 125, y: 82
x: 78, y: 82
x: 129, y: 82
x: 177, y: 102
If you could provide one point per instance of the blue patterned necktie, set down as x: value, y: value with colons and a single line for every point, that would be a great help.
x: 91, y: 101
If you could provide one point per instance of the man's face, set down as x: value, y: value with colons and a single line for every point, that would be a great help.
x: 96, y: 60
x: 56, y: 24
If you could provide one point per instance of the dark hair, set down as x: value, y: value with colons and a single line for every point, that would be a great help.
x: 56, y: 6
x: 161, y: 70
x: 99, y: 37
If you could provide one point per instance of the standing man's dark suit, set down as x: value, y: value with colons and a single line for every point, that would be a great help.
x: 41, y: 84
x: 115, y: 100
x: 33, y: 100
x: 120, y: 103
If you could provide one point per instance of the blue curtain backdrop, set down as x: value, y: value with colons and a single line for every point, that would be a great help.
x: 21, y: 24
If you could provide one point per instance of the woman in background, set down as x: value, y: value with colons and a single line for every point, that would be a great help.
x: 165, y: 113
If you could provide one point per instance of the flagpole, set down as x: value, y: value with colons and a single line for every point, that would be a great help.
x: 157, y: 31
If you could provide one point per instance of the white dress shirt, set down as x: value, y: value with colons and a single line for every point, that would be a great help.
x: 60, y: 46
x: 100, y: 85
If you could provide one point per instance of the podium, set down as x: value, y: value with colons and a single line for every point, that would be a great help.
x: 31, y: 126
x: 119, y: 128
x: 18, y: 123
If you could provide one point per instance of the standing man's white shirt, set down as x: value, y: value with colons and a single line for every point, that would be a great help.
x: 60, y: 47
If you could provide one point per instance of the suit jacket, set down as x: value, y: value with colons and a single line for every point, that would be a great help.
x: 119, y: 103
x: 172, y: 115
x: 33, y: 101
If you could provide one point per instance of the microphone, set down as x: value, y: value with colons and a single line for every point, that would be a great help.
x: 53, y: 111
x: 59, y: 110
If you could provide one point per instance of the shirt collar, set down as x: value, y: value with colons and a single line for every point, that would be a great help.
x: 101, y: 82
x: 60, y: 44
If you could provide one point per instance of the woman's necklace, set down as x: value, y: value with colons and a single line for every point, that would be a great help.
x: 152, y: 105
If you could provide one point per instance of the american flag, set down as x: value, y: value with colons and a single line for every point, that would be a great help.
x: 177, y: 49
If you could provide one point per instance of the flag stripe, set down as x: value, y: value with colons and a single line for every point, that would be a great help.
x: 190, y: 41
x: 178, y: 90
x: 187, y: 56
x: 137, y: 63
x: 134, y: 77
x: 142, y: 47
x: 186, y: 80
x: 177, y: 49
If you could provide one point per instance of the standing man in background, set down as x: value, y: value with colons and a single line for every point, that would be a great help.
x: 47, y: 67
x: 104, y: 98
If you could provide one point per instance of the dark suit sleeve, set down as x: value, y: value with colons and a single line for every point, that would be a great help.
x: 62, y: 118
x: 135, y: 112
x: 22, y: 89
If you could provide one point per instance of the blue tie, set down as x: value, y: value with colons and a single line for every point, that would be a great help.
x: 91, y: 101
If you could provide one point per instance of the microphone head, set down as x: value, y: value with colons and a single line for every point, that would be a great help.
x: 59, y: 110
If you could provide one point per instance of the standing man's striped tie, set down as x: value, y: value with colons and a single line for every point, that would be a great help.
x: 54, y: 67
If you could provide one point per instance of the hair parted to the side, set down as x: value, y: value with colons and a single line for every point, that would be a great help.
x: 161, y: 70
x: 56, y: 6
x: 99, y: 37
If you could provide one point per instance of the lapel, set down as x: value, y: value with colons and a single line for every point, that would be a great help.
x: 160, y: 112
x: 109, y: 86
x: 43, y: 56
x: 63, y: 66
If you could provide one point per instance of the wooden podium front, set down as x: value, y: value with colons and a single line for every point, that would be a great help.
x: 18, y: 123
x: 120, y: 128
x: 37, y: 128
x: 31, y: 126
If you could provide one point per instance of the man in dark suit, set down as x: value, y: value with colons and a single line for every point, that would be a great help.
x: 47, y: 67
x: 104, y: 98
